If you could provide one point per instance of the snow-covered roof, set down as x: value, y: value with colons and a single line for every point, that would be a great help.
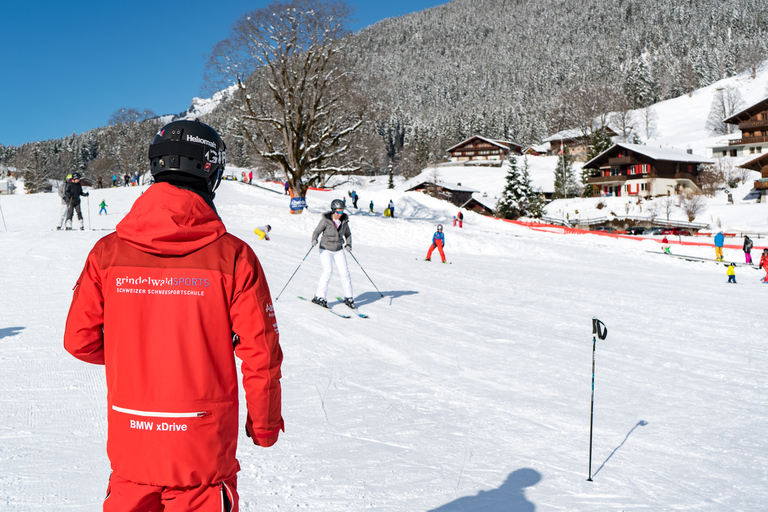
x: 506, y: 144
x: 574, y: 133
x: 452, y: 188
x: 674, y: 155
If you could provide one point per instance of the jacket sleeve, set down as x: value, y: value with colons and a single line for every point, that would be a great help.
x: 253, y: 320
x: 347, y: 235
x: 84, y: 331
x: 319, y: 229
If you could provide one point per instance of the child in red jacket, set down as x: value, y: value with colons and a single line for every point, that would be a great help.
x: 201, y: 297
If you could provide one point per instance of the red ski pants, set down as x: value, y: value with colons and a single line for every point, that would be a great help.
x: 439, y: 249
x: 126, y: 496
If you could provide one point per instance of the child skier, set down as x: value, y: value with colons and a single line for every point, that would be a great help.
x: 764, y: 264
x: 748, y: 249
x: 438, y: 241
x: 731, y: 273
x: 103, y: 207
x: 665, y: 245
x: 263, y: 232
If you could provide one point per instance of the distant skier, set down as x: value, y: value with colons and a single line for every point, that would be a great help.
x: 103, y: 207
x: 72, y: 196
x: 748, y: 249
x: 263, y: 232
x: 764, y: 264
x: 454, y: 221
x: 665, y: 245
x: 371, y: 206
x: 438, y: 242
x: 286, y: 187
x: 354, y: 199
x: 731, y: 272
x: 114, y: 180
x: 719, y: 242
x: 391, y: 209
x: 460, y: 216
x: 334, y: 226
x: 64, y: 204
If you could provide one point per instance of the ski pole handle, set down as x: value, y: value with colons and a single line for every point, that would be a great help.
x: 599, y: 328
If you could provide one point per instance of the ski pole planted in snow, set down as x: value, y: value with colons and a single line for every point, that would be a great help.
x: 88, y: 198
x: 294, y: 273
x: 366, y: 273
x: 599, y: 330
x: 3, y: 216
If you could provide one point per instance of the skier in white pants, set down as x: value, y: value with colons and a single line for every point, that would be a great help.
x: 334, y: 226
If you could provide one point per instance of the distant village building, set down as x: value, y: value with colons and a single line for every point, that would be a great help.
x: 457, y: 194
x: 574, y: 141
x: 753, y: 123
x: 760, y: 164
x: 638, y: 170
x: 537, y: 150
x: 480, y: 148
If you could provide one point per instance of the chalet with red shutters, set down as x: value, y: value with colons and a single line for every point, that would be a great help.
x: 753, y: 123
x: 760, y: 164
x: 638, y: 170
x: 480, y: 148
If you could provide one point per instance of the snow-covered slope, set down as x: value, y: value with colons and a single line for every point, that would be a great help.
x: 467, y: 389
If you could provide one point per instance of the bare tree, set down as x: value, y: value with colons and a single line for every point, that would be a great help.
x: 693, y: 204
x: 297, y: 105
x: 726, y: 102
x: 130, y: 115
x: 667, y: 205
x: 710, y: 178
x: 648, y: 119
x: 586, y: 108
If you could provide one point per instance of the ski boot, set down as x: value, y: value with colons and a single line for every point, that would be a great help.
x: 349, y: 302
x: 427, y: 259
x: 320, y: 302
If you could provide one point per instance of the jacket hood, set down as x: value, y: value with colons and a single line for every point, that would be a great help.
x: 170, y: 221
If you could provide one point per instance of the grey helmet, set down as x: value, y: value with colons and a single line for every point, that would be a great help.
x: 337, y: 204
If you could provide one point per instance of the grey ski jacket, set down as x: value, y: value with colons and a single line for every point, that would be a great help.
x: 332, y: 237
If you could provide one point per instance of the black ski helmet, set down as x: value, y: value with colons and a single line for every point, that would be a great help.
x: 439, y: 227
x: 337, y: 204
x: 189, y: 147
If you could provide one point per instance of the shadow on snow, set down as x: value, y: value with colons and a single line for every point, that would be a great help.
x: 640, y: 423
x: 370, y: 297
x: 509, y: 497
x: 10, y: 331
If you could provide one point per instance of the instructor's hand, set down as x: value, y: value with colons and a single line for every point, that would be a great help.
x: 348, y: 248
x: 314, y: 243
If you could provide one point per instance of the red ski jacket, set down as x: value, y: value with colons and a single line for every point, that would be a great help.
x: 158, y: 303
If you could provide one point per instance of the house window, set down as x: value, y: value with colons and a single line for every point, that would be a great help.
x: 734, y: 152
x: 759, y: 149
x: 751, y: 151
x: 725, y: 153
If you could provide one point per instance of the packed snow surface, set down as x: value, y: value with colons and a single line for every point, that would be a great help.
x: 468, y: 388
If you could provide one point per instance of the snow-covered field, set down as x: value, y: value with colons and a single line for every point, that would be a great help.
x: 468, y: 388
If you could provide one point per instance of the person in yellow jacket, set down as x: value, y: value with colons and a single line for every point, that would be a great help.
x: 263, y: 232
x: 731, y: 273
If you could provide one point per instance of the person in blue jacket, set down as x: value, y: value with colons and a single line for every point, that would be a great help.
x: 438, y: 241
x: 719, y: 242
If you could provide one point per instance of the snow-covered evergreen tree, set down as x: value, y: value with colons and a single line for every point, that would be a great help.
x: 519, y: 198
x: 565, y: 178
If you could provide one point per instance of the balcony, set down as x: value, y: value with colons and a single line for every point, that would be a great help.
x: 748, y: 125
x: 686, y: 176
x: 748, y: 140
x: 761, y: 184
x: 601, y: 180
x: 622, y: 160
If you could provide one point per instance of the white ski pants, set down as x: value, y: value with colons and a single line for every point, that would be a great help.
x: 328, y: 258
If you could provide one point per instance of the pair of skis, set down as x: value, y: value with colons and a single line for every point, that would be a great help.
x: 361, y: 315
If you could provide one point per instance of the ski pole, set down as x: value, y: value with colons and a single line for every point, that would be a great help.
x: 3, y: 216
x: 601, y: 333
x: 88, y: 198
x: 366, y: 273
x: 294, y: 273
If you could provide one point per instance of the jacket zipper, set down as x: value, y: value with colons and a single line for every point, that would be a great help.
x: 201, y: 414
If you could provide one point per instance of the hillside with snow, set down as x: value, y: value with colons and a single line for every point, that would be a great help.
x: 468, y: 388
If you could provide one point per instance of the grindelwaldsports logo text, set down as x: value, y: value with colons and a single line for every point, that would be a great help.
x: 177, y: 285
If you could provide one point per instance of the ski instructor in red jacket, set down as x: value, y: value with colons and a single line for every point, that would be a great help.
x: 165, y: 303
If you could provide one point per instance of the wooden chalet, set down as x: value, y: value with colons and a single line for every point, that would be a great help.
x: 753, y: 123
x: 638, y: 170
x: 760, y: 164
x: 480, y: 205
x: 480, y: 148
x: 574, y: 141
x: 457, y: 195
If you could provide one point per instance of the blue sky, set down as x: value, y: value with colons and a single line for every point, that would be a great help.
x: 67, y: 66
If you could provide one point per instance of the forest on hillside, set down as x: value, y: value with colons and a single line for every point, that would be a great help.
x: 506, y: 69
